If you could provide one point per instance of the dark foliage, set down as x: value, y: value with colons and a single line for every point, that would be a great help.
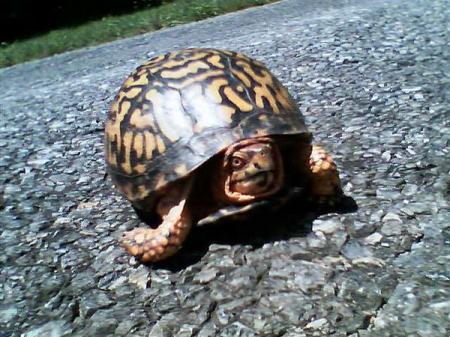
x: 24, y: 18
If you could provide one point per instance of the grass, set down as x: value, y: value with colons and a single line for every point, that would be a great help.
x: 117, y: 27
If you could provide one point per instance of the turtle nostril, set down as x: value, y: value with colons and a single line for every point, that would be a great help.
x: 257, y: 166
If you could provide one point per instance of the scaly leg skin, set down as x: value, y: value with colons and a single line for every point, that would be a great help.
x: 152, y: 245
x: 324, y: 182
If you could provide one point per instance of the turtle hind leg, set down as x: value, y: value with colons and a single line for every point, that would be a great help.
x: 152, y: 245
x: 324, y: 183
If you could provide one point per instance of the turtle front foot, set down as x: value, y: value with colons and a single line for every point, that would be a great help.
x: 325, y: 185
x: 152, y: 245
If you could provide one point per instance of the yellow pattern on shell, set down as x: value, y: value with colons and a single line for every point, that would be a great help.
x: 160, y: 144
x: 193, y: 68
x: 215, y: 61
x: 138, y: 144
x: 160, y: 64
x: 262, y: 90
x: 126, y: 165
x: 196, y: 79
x: 141, y: 121
x: 282, y: 96
x: 141, y: 81
x: 237, y: 100
x: 132, y: 93
x: 150, y: 144
x: 243, y: 77
x: 214, y: 89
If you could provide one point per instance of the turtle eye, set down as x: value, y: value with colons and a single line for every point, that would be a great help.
x: 237, y: 162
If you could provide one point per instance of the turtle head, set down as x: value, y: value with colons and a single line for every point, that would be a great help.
x: 252, y: 169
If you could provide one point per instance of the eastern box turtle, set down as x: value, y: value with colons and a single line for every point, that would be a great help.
x: 196, y: 131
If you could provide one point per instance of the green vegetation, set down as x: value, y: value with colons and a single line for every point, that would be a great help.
x: 116, y: 27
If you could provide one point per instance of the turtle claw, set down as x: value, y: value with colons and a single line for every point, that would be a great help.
x: 146, y: 244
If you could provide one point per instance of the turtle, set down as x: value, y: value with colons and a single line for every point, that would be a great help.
x: 196, y: 132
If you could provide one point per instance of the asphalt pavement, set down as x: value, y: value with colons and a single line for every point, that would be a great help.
x: 373, y: 81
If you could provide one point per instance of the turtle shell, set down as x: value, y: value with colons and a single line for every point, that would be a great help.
x: 177, y: 110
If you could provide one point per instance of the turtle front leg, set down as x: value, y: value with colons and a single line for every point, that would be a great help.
x: 324, y: 182
x: 152, y: 245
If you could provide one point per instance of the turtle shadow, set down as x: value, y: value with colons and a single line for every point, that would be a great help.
x: 294, y: 219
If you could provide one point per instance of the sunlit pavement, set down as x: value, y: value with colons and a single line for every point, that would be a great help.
x: 372, y: 79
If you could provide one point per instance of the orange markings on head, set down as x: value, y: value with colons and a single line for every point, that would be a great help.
x: 252, y: 169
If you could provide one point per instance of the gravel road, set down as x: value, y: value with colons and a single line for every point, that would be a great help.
x: 372, y: 79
